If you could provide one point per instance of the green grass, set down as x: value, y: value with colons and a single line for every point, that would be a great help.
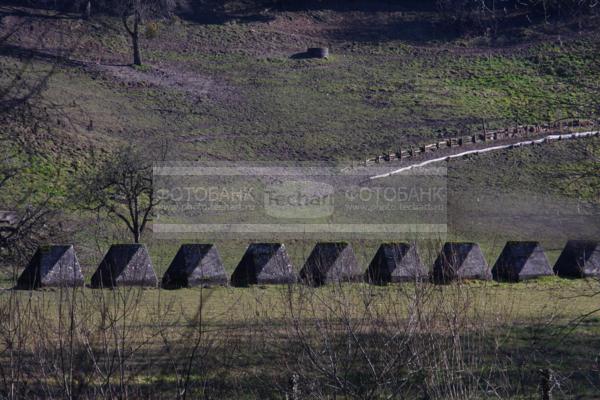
x: 522, y: 194
x: 371, y: 96
x: 545, y: 299
x: 510, y: 330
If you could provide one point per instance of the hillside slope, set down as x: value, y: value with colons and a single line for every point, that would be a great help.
x: 231, y: 90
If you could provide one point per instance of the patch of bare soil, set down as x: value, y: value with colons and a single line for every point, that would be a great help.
x: 59, y: 39
x: 195, y: 85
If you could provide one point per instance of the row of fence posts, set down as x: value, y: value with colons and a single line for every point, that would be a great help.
x: 520, y: 131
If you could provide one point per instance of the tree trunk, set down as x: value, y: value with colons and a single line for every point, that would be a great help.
x: 136, y: 234
x: 137, y: 58
x: 545, y: 385
x: 87, y: 12
x: 135, y: 34
x: 135, y: 38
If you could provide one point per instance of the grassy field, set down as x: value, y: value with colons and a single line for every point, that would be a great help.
x: 249, y: 342
x: 229, y: 89
x: 489, y: 202
x: 546, y: 299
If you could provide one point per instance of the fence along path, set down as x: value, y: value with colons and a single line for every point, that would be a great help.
x: 549, y: 138
x: 520, y: 131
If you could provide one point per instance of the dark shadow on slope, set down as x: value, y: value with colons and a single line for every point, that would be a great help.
x: 9, y: 50
x: 34, y: 11
x: 212, y: 12
x: 419, y: 31
x: 261, y: 366
x: 352, y: 5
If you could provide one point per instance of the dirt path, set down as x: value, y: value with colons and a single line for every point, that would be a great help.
x: 194, y: 85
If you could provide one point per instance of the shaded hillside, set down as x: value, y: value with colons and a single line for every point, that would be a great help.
x: 231, y: 90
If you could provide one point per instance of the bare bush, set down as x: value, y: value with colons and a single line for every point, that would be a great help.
x: 121, y: 187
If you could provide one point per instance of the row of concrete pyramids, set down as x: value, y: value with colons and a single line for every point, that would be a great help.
x: 268, y: 263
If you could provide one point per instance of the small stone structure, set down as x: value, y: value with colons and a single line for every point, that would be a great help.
x: 331, y: 263
x: 579, y: 259
x: 268, y: 263
x: 125, y: 265
x: 193, y: 265
x: 520, y: 261
x: 395, y: 262
x: 317, y: 52
x: 264, y: 263
x: 52, y: 266
x: 458, y: 261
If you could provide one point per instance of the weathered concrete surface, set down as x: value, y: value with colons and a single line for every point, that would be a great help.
x: 520, y: 261
x: 264, y: 263
x: 459, y: 261
x: 317, y: 52
x: 579, y: 259
x: 52, y: 266
x: 194, y: 265
x: 125, y: 265
x: 331, y: 263
x: 395, y: 262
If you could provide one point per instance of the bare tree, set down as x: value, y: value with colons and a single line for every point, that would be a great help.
x: 22, y: 229
x: 24, y: 214
x: 473, y: 14
x: 133, y: 14
x: 121, y: 187
x: 87, y: 9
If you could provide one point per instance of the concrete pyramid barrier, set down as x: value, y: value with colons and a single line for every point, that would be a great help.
x: 193, y: 265
x: 395, y: 262
x: 264, y: 263
x: 125, y: 265
x: 521, y: 261
x: 331, y: 263
x: 579, y: 259
x: 460, y: 261
x: 52, y: 266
